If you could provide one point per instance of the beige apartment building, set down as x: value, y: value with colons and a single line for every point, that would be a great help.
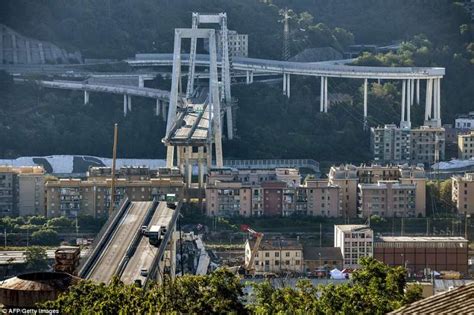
x: 269, y: 192
x: 72, y: 197
x: 345, y: 176
x: 348, y: 177
x: 463, y: 193
x: 466, y: 146
x: 322, y: 198
x: 21, y: 190
x: 276, y: 256
x: 251, y: 192
x: 388, y: 199
x: 355, y: 242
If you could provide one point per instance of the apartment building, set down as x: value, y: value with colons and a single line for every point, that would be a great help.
x: 322, y: 198
x: 278, y: 192
x: 388, y: 199
x: 345, y: 177
x: 466, y: 146
x: 416, y: 253
x: 229, y: 199
x: 251, y: 192
x: 392, y: 191
x: 355, y: 242
x: 21, y: 190
x: 392, y: 144
x: 463, y: 193
x: 72, y: 197
x: 350, y: 179
x: 238, y: 44
x: 427, y: 145
x: 276, y: 256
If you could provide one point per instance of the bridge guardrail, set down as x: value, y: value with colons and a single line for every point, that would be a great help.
x: 136, y: 239
x: 102, y: 238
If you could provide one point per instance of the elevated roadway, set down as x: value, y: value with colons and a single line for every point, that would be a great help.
x: 107, y: 88
x: 110, y: 258
x: 338, y: 68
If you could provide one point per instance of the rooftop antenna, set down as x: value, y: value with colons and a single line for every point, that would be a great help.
x: 114, y: 158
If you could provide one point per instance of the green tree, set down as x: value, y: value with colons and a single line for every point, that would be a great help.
x: 217, y: 293
x: 60, y: 223
x: 375, y: 289
x: 37, y: 220
x: 45, y: 237
x: 36, y: 259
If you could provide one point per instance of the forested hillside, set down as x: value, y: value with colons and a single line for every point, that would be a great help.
x: 37, y: 121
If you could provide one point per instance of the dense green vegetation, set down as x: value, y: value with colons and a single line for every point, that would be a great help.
x: 374, y: 289
x: 436, y: 33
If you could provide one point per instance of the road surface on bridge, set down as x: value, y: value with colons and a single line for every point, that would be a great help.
x: 113, y: 254
x: 144, y: 254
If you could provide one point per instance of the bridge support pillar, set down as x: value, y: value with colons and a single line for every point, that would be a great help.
x: 170, y: 156
x: 418, y: 91
x: 409, y: 101
x: 433, y: 103
x: 129, y: 102
x: 141, y: 81
x: 188, y: 167
x: 428, y: 100
x: 86, y: 97
x: 412, y: 89
x: 164, y: 109
x: 287, y: 85
x: 125, y: 106
x: 28, y: 52
x: 157, y: 108
x: 247, y: 77
x: 321, y: 96
x: 405, y: 121
x: 14, y: 49
x: 323, y: 99
x: 201, y: 167
x: 41, y: 53
x: 230, y: 126
x: 284, y: 84
x: 365, y: 103
x: 326, y: 103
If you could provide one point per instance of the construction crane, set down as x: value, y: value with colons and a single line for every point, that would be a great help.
x: 248, y: 268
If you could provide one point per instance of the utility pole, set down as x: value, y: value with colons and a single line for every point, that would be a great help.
x: 5, y: 234
x: 114, y: 157
x: 427, y: 226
